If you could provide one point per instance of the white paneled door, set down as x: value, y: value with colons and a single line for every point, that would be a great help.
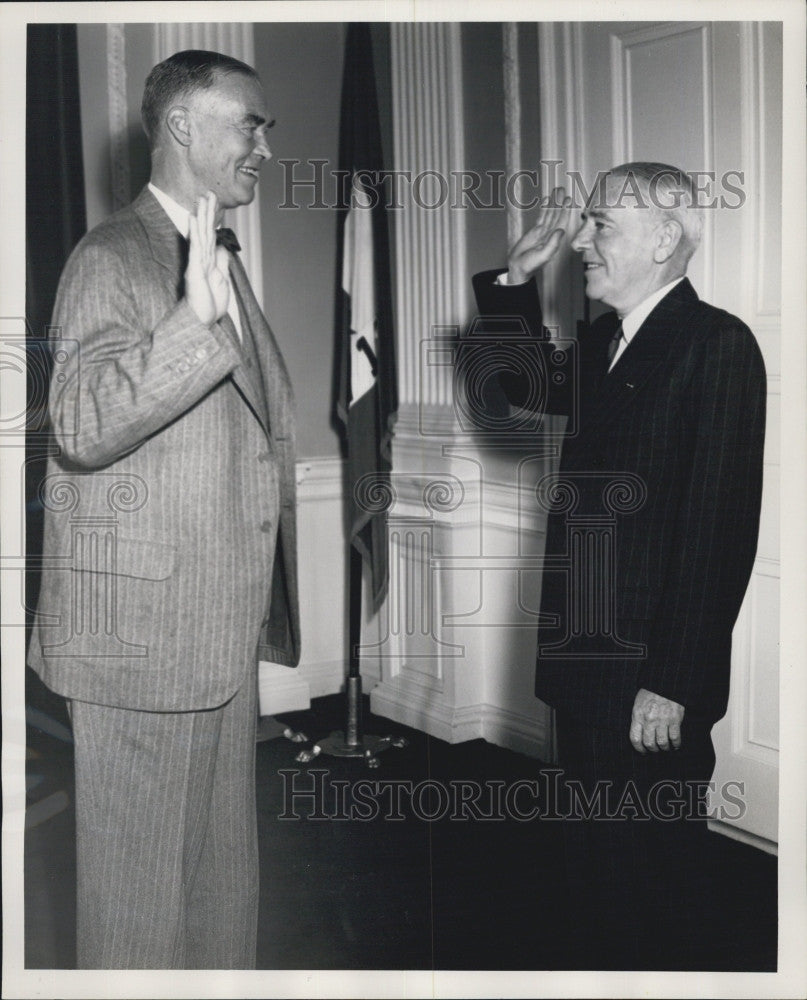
x: 706, y: 97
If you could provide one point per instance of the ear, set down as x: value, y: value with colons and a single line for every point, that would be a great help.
x: 177, y: 121
x: 668, y: 237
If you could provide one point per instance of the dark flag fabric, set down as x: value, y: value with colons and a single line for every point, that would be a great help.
x: 367, y: 398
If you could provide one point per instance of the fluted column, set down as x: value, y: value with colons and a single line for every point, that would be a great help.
x: 430, y: 241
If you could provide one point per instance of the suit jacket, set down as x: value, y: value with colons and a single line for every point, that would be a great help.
x: 654, y: 515
x: 170, y: 522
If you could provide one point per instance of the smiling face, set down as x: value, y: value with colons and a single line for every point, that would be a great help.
x: 619, y: 242
x: 228, y: 123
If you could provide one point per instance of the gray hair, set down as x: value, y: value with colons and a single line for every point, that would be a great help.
x: 180, y: 75
x: 671, y: 195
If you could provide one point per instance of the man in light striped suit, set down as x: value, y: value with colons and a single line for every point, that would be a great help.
x: 651, y: 538
x: 169, y: 537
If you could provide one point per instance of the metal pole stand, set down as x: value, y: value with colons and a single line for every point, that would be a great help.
x: 353, y: 742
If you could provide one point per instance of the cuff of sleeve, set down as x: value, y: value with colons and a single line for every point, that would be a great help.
x: 504, y: 279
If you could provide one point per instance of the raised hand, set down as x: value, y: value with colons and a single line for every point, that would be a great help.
x: 206, y: 286
x: 541, y: 242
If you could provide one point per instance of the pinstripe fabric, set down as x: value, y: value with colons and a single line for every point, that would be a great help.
x: 166, y: 836
x: 635, y: 882
x: 170, y: 547
x: 153, y: 402
x: 682, y: 412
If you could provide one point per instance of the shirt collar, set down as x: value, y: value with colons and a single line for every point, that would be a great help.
x: 637, y: 315
x: 176, y: 213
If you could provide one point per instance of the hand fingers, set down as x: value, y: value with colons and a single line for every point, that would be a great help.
x: 662, y: 738
x: 636, y: 730
x: 649, y: 739
x: 554, y: 239
x: 654, y: 738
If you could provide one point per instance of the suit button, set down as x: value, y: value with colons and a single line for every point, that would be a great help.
x: 182, y: 367
x: 264, y: 456
x: 266, y: 526
x: 201, y: 353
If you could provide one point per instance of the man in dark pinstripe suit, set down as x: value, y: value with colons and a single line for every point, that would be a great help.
x: 169, y: 537
x: 635, y: 641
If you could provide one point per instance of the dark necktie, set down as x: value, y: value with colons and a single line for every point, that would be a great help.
x: 227, y: 238
x: 613, y: 346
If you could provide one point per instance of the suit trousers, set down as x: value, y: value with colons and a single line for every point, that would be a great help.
x: 167, y: 865
x: 637, y: 847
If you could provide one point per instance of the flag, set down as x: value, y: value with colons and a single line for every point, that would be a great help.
x: 367, y: 397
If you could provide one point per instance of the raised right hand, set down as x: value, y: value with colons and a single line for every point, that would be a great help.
x: 206, y: 286
x: 541, y: 242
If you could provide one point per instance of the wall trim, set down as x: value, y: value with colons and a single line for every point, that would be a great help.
x: 735, y: 833
x: 320, y: 479
x: 120, y: 178
x: 404, y: 702
x: 512, y: 123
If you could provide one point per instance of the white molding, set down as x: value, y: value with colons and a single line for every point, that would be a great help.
x: 428, y: 123
x: 735, y: 833
x: 621, y: 104
x: 562, y: 85
x: 120, y: 173
x: 516, y: 731
x: 290, y: 689
x: 320, y: 479
x: 233, y: 39
x: 410, y: 705
x: 281, y: 689
x: 753, y: 137
x: 512, y: 123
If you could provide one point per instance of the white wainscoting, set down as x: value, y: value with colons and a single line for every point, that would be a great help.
x: 459, y: 627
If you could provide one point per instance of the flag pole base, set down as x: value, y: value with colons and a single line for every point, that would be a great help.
x: 352, y: 742
x: 335, y: 745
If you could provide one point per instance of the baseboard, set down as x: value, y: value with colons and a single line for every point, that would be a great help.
x: 428, y: 716
x: 514, y: 731
x: 281, y: 689
x: 323, y: 677
x: 419, y: 710
x: 727, y: 830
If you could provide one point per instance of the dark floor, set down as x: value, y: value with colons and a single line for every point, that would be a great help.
x: 382, y: 893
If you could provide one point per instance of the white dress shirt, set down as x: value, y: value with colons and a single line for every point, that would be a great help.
x: 634, y: 319
x: 181, y: 218
x: 637, y: 316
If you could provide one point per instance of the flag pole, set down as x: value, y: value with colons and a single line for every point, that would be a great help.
x: 366, y: 399
x: 353, y: 742
x: 353, y: 723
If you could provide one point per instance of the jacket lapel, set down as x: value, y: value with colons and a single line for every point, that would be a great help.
x: 660, y: 337
x: 273, y: 374
x: 170, y: 249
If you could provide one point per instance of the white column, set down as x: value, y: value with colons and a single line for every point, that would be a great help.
x: 447, y: 652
